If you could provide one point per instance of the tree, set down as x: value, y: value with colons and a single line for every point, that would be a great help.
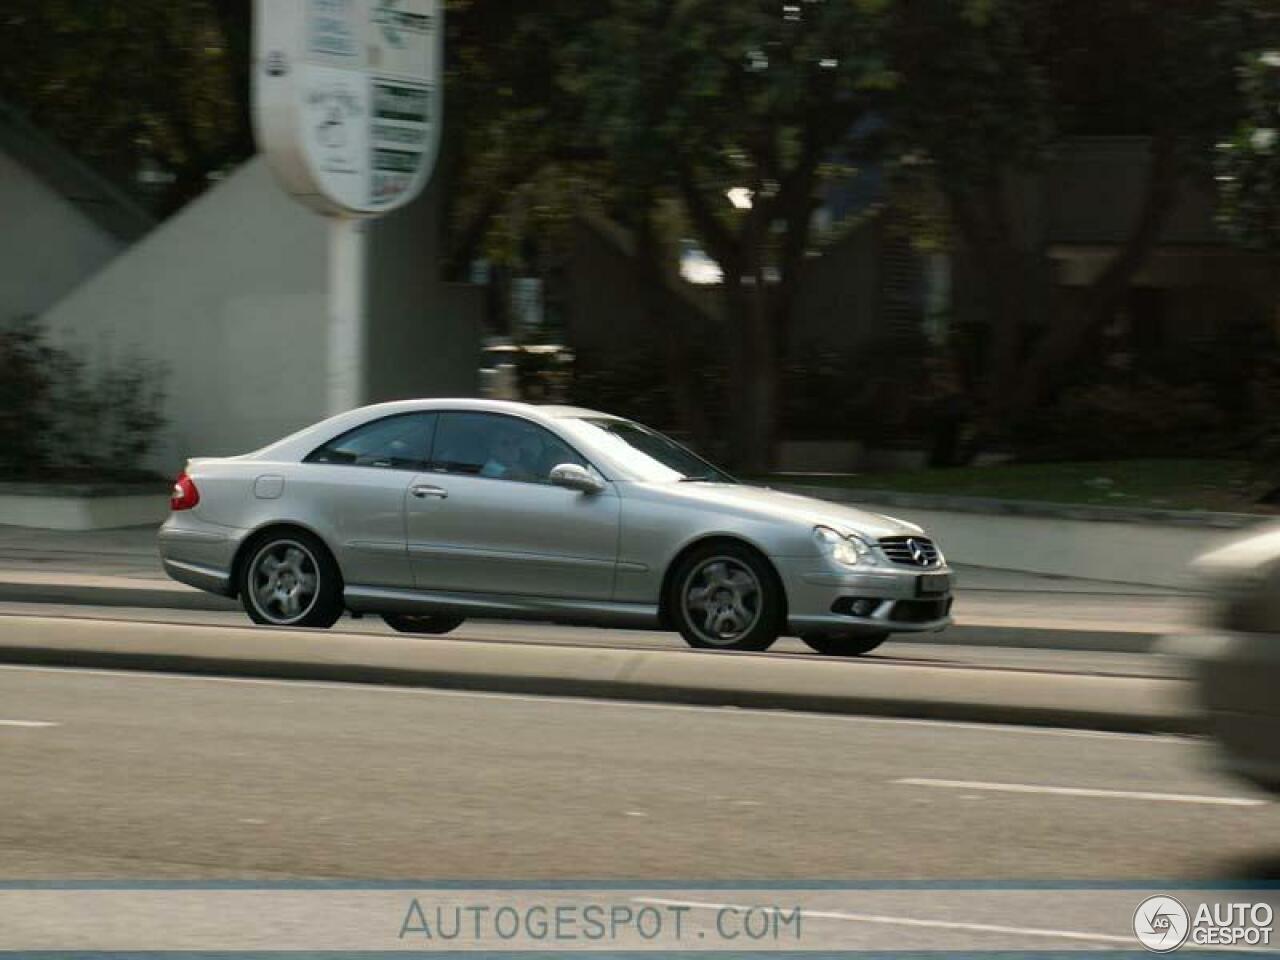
x: 1249, y: 162
x: 698, y: 98
x: 990, y: 86
x: 148, y: 85
x: 509, y: 118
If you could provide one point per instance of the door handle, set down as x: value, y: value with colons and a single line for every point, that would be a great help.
x: 422, y: 491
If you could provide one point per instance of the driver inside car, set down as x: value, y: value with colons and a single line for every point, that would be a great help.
x: 507, y: 459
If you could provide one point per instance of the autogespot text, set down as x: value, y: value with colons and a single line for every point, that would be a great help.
x: 598, y: 923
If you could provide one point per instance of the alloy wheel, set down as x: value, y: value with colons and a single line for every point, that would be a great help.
x: 284, y: 581
x: 722, y: 600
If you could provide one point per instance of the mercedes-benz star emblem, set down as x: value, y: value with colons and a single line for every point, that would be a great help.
x: 918, y: 553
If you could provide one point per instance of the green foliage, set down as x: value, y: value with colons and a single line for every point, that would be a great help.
x: 976, y: 94
x: 624, y: 99
x: 147, y: 84
x: 633, y: 386
x: 751, y: 94
x: 990, y: 86
x: 860, y: 396
x: 1249, y: 162
x: 25, y: 398
x: 1146, y: 417
x: 61, y: 419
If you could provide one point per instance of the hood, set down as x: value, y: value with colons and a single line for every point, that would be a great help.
x: 775, y: 505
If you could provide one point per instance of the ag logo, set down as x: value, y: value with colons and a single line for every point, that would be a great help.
x: 1161, y: 924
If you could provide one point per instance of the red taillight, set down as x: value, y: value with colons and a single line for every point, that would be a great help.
x: 185, y: 495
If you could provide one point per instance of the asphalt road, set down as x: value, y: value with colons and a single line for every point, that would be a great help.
x: 932, y: 649
x: 131, y: 776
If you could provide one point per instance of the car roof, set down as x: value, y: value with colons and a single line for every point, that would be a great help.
x: 553, y: 411
x: 298, y: 444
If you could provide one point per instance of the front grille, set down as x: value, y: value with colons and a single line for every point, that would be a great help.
x: 899, y: 550
x: 920, y: 611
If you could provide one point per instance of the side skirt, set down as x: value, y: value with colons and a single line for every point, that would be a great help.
x: 502, y: 607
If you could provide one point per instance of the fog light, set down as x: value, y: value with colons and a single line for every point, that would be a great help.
x: 856, y: 606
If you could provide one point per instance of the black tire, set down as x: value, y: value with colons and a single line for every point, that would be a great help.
x: 763, y: 602
x: 436, y: 623
x: 844, y: 644
x: 319, y: 607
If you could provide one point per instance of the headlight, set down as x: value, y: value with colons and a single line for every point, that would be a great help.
x: 844, y: 549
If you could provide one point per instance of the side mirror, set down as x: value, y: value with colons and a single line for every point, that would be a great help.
x: 576, y: 477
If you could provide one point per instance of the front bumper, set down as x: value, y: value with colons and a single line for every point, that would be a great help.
x: 1237, y: 676
x: 823, y: 600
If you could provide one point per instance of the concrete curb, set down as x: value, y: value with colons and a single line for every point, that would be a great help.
x: 159, y: 595
x: 103, y: 592
x: 1007, y: 696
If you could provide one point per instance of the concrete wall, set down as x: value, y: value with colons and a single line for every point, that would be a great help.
x: 47, y: 244
x: 230, y: 295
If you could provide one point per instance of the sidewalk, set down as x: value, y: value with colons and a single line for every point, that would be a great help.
x: 994, y: 607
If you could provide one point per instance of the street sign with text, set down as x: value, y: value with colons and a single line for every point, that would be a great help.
x: 347, y: 99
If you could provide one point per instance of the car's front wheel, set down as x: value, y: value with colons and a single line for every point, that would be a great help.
x: 290, y: 580
x: 724, y: 596
x: 422, y: 623
x: 844, y: 644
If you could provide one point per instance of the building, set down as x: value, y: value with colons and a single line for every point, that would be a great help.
x: 62, y: 222
x: 228, y: 297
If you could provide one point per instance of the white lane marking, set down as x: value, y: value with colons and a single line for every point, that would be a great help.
x: 27, y: 723
x: 1080, y: 792
x: 887, y: 920
x: 617, y: 704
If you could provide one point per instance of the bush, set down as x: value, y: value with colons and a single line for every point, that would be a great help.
x: 633, y: 386
x: 62, y: 419
x: 1144, y: 418
x: 882, y: 394
x: 25, y: 401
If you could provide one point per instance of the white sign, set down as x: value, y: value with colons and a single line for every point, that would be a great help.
x: 347, y: 99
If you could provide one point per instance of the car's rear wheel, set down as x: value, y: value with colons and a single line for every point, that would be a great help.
x: 725, y: 596
x: 291, y: 580
x: 422, y: 623
x: 844, y: 644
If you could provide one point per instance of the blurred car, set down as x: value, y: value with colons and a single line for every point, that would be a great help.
x: 1237, y: 665
x: 430, y: 511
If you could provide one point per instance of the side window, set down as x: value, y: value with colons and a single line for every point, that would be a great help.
x: 402, y: 442
x: 498, y: 446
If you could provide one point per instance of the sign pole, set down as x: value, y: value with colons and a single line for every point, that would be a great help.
x: 348, y: 313
x: 347, y: 99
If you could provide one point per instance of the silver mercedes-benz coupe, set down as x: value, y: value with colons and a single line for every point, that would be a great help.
x: 430, y: 511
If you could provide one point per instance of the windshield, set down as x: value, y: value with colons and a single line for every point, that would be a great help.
x: 648, y: 453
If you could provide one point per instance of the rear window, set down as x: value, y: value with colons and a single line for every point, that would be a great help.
x: 401, y: 442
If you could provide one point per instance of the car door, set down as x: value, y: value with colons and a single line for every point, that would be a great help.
x: 484, y: 517
x: 355, y: 487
